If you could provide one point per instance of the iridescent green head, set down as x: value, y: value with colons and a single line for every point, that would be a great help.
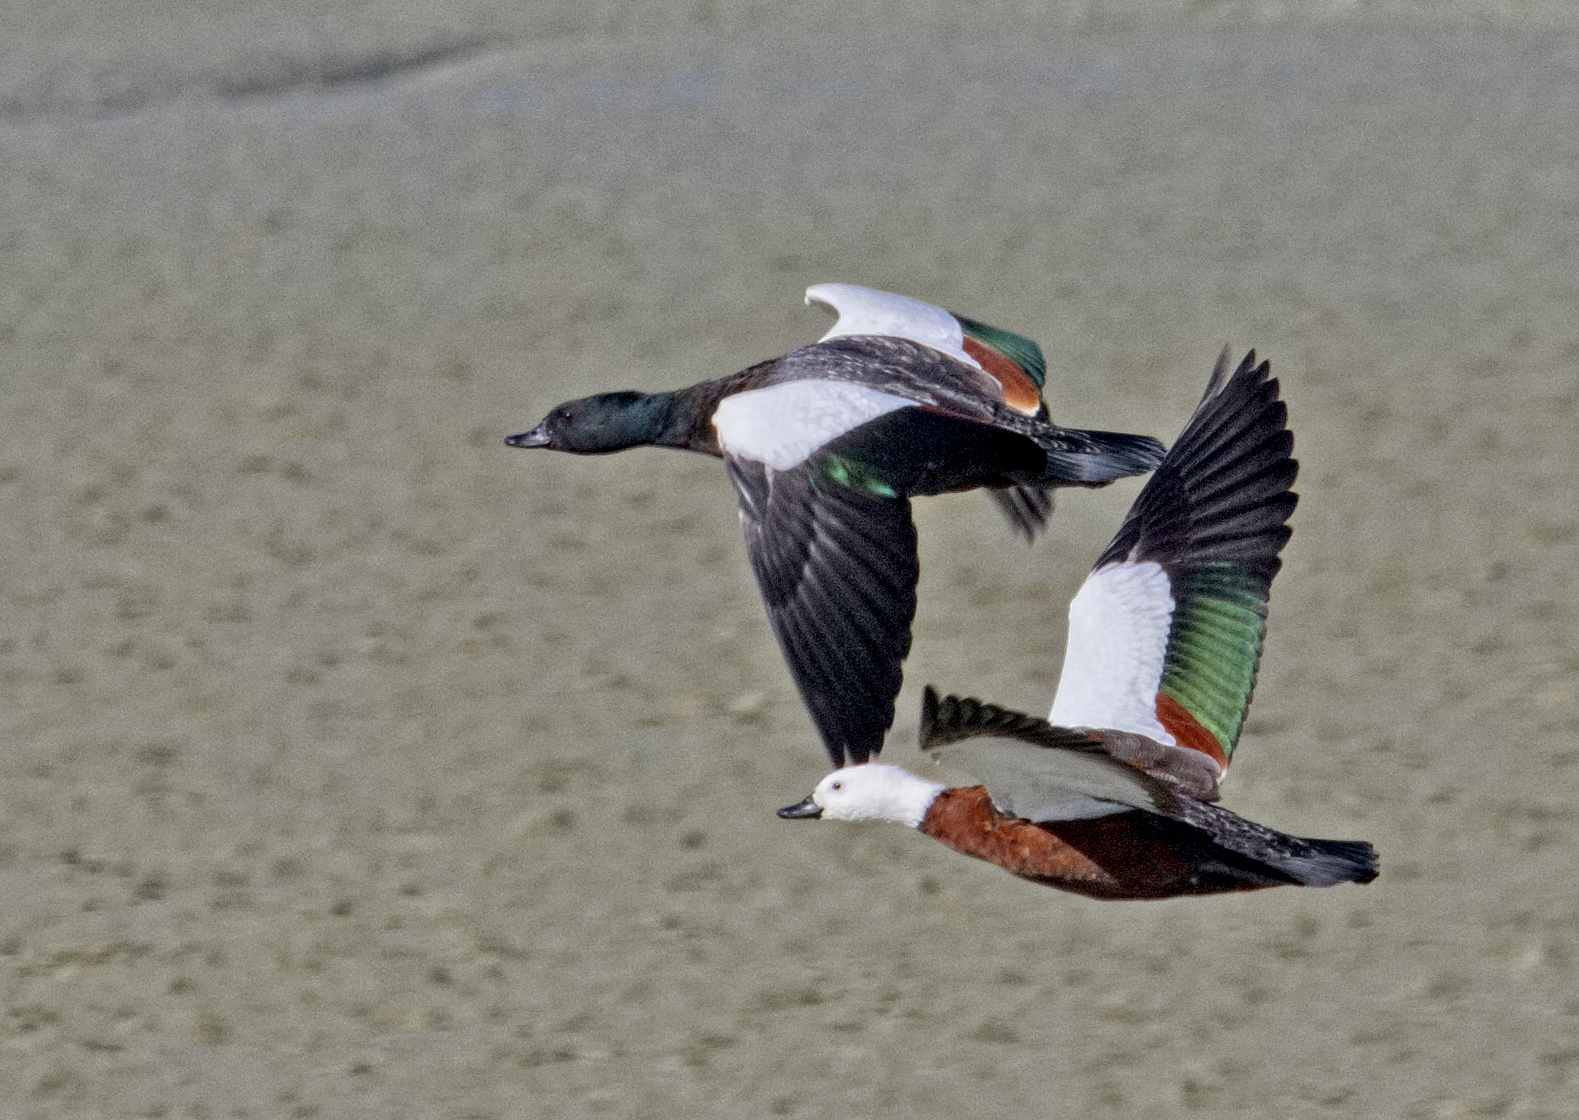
x: 599, y: 424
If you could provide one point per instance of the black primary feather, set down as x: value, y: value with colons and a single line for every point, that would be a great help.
x: 1223, y: 493
x: 952, y: 719
x: 838, y: 571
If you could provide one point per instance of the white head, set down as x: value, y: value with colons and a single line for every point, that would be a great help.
x: 872, y: 791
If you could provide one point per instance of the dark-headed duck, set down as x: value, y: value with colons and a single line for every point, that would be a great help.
x: 827, y: 445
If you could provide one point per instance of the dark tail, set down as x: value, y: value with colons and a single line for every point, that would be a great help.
x: 1097, y: 458
x: 1077, y: 459
x: 1315, y: 863
x: 1329, y: 862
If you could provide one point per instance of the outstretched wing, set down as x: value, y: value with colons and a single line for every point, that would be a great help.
x: 1013, y: 361
x: 1165, y: 633
x: 1032, y: 769
x: 836, y: 562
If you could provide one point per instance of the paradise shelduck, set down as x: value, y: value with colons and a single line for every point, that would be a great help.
x: 827, y: 445
x: 1112, y: 795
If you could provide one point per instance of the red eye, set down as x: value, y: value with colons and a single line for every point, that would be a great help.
x: 838, y: 785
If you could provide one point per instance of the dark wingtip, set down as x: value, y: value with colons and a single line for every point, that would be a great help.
x: 1220, y: 372
x: 948, y: 719
x: 1225, y: 490
x: 951, y: 719
x: 1251, y: 369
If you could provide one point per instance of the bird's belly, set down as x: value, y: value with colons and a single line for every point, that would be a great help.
x: 1113, y: 857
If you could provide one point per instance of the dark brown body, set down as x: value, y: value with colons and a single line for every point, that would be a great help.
x: 1129, y: 855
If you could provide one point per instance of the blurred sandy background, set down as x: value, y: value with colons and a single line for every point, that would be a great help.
x: 357, y: 766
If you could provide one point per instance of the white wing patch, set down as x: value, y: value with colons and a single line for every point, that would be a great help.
x: 869, y: 311
x: 1118, y: 636
x: 782, y: 425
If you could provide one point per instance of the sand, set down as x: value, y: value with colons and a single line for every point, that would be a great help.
x: 358, y: 766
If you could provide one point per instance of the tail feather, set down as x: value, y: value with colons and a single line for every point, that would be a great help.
x: 1315, y: 863
x: 1329, y: 862
x: 1097, y: 458
x: 1078, y: 458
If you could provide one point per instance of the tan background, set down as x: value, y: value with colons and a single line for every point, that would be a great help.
x: 357, y: 766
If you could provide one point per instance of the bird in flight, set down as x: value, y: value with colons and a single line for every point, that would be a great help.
x: 827, y: 445
x: 1114, y: 794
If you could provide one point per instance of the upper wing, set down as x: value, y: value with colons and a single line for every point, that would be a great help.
x: 1165, y: 633
x: 1032, y: 769
x: 869, y: 311
x: 1012, y: 360
x: 836, y: 562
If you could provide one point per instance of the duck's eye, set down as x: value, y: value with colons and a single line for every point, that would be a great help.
x: 837, y: 785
